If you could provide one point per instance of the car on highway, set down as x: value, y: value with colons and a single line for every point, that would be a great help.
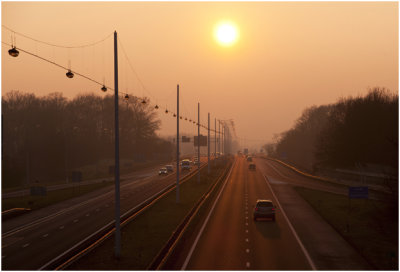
x: 264, y: 209
x: 249, y: 159
x: 163, y: 171
x: 252, y: 166
x: 170, y: 168
x: 185, y: 165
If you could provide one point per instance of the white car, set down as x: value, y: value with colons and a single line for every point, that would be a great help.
x: 163, y: 171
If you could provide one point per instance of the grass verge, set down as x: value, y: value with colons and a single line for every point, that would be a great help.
x: 52, y: 197
x: 369, y: 226
x: 144, y: 237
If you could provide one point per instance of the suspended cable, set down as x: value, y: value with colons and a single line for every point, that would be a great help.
x: 56, y: 45
x: 70, y: 73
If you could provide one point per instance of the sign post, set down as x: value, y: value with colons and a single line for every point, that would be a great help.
x: 359, y: 192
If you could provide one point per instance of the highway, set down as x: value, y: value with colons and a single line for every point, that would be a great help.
x: 233, y: 241
x: 30, y: 241
x: 229, y: 239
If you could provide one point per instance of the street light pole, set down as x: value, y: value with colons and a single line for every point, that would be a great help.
x: 117, y: 186
x: 223, y: 139
x: 177, y: 144
x: 219, y: 138
x: 208, y: 145
x: 198, y: 142
x: 215, y: 142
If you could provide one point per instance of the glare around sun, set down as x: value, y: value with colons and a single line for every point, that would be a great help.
x: 226, y: 34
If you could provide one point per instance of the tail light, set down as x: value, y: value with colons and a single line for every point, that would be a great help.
x: 256, y: 209
x: 273, y: 209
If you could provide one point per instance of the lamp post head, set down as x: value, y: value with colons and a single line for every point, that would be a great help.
x: 69, y: 74
x: 13, y: 52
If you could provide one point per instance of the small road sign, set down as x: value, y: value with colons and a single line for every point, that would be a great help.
x: 358, y: 192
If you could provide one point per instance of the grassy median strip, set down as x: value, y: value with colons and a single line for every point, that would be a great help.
x: 52, y: 197
x: 368, y: 225
x: 144, y: 237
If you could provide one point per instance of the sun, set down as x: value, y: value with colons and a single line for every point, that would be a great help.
x: 226, y: 33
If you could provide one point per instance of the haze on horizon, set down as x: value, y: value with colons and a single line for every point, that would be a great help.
x: 289, y: 56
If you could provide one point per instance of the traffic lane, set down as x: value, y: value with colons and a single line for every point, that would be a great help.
x: 222, y: 245
x: 272, y: 244
x: 134, y: 175
x: 278, y: 173
x: 327, y: 249
x: 75, y: 224
x: 54, y: 209
x: 126, y: 185
x: 50, y: 240
x: 287, y: 175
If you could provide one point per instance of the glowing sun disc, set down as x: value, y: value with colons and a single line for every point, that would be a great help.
x: 226, y: 34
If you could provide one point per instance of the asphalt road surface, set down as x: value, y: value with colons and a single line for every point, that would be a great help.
x: 229, y: 239
x: 233, y: 241
x: 32, y: 240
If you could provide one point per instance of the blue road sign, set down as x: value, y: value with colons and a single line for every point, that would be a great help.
x: 358, y: 192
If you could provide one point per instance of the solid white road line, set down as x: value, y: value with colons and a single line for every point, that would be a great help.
x: 276, y: 170
x: 206, y: 221
x: 310, y: 261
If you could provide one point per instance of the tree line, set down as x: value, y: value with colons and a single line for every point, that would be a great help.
x: 45, y: 138
x: 352, y: 131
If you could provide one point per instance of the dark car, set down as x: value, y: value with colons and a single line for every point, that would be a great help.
x: 249, y: 159
x: 170, y: 168
x: 264, y: 209
x: 252, y: 166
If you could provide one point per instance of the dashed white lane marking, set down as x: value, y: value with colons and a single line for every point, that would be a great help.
x: 45, y: 235
x: 247, y: 250
x: 247, y: 217
x: 76, y: 220
x: 247, y: 224
x: 87, y: 214
x: 97, y: 210
x: 106, y: 205
x: 61, y: 227
x: 248, y: 265
x: 247, y: 240
x: 247, y: 231
x: 247, y: 212
x: 25, y: 245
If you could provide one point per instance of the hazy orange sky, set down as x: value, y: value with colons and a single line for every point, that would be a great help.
x: 290, y: 55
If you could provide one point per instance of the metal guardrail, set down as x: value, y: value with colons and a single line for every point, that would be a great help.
x: 170, y: 245
x: 324, y: 179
